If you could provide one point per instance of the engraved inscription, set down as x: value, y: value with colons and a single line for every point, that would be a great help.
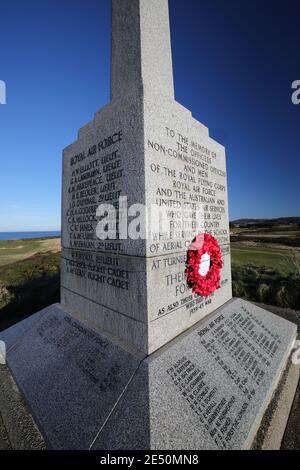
x: 242, y: 347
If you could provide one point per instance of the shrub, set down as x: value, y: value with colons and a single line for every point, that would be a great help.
x: 270, y: 286
x: 29, y: 285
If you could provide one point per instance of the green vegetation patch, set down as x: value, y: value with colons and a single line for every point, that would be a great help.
x: 13, y: 250
x: 262, y: 256
x: 29, y: 285
x: 267, y: 285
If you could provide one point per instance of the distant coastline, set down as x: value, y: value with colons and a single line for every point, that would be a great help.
x: 21, y: 235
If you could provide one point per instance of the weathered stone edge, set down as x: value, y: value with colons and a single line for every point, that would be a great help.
x: 274, y: 422
x: 21, y: 429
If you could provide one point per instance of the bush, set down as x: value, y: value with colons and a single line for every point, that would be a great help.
x: 29, y: 285
x: 270, y: 286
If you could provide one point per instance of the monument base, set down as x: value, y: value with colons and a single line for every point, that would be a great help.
x: 207, y: 389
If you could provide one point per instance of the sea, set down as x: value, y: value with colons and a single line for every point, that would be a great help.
x: 19, y: 235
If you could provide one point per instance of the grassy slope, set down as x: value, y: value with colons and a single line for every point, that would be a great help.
x: 12, y: 251
x: 269, y: 244
x: 266, y: 261
x: 263, y: 256
x: 30, y: 284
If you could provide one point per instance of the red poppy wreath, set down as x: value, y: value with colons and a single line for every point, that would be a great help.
x: 204, y: 264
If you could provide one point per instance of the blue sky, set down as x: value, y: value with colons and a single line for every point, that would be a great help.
x: 234, y: 62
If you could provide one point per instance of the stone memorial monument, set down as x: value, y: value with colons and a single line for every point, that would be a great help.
x: 135, y: 357
x: 147, y: 148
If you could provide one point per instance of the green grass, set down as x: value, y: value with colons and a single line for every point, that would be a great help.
x: 29, y: 285
x: 14, y: 250
x: 258, y: 256
x: 267, y: 274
